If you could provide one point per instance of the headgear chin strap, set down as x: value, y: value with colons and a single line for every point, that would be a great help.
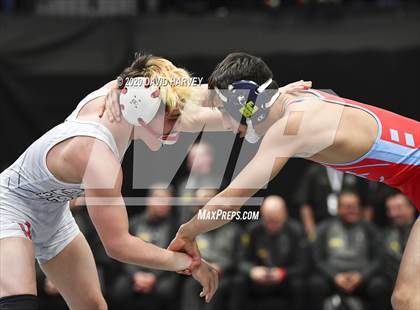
x: 251, y: 135
x: 248, y: 103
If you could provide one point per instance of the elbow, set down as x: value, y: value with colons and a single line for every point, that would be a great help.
x: 397, y: 299
x: 115, y: 250
x: 401, y: 298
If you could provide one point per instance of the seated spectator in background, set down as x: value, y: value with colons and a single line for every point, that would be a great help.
x: 200, y: 162
x: 142, y: 288
x: 402, y: 215
x: 273, y: 262
x: 317, y: 194
x: 376, y: 196
x: 218, y: 247
x: 347, y: 254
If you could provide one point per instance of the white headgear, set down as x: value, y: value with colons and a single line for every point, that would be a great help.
x: 140, y: 101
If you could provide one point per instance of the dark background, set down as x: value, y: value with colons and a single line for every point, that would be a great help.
x: 49, y: 62
x: 53, y: 53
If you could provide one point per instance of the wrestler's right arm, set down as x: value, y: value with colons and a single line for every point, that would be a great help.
x: 102, y: 180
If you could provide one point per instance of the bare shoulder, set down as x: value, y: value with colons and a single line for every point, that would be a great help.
x: 84, y: 149
x: 69, y: 159
x: 306, y: 128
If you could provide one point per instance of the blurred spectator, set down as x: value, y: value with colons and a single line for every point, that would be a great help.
x: 402, y: 215
x: 376, y: 196
x: 273, y: 263
x: 199, y: 163
x: 138, y: 287
x: 317, y: 194
x: 347, y: 254
x: 218, y: 247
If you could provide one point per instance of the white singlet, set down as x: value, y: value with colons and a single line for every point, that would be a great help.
x: 33, y: 203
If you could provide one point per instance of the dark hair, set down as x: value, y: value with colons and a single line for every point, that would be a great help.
x: 240, y: 66
x: 395, y: 193
x: 136, y: 68
x: 349, y: 193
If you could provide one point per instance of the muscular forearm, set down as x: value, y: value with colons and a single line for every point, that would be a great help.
x: 262, y: 168
x: 133, y: 250
x: 196, y: 118
x: 227, y: 201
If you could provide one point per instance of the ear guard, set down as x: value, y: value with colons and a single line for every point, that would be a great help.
x: 246, y: 100
x: 248, y: 103
x: 140, y: 102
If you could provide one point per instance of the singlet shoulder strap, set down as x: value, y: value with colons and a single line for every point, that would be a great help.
x: 74, y: 128
x: 93, y: 95
x: 90, y: 128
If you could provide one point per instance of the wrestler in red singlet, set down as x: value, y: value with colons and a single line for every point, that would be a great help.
x: 394, y: 159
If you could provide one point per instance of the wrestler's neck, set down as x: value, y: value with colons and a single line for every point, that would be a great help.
x: 276, y: 112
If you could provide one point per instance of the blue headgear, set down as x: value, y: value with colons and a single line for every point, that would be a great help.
x: 247, y: 100
x: 248, y: 103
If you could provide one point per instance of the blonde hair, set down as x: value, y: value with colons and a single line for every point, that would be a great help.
x: 158, y: 69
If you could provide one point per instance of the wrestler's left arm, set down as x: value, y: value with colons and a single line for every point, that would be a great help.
x: 266, y: 164
x: 232, y: 198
